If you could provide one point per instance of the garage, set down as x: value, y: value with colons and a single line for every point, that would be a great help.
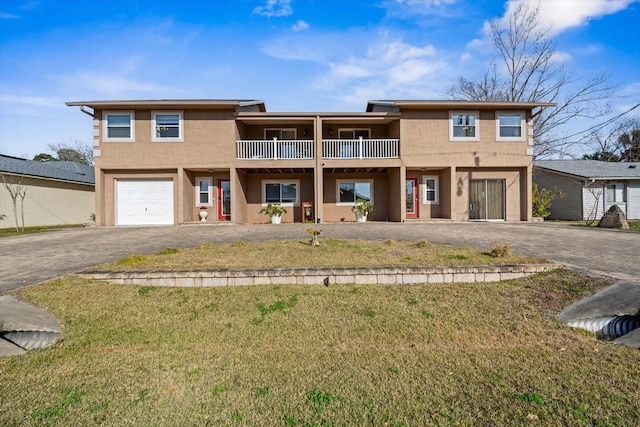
x: 144, y: 202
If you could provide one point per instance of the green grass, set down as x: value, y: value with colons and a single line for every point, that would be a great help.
x: 295, y: 253
x: 8, y: 232
x: 344, y: 355
x: 633, y: 225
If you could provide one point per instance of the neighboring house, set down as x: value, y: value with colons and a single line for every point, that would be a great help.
x: 158, y: 162
x: 56, y: 192
x: 591, y: 187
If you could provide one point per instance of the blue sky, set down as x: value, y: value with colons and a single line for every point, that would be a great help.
x: 296, y: 55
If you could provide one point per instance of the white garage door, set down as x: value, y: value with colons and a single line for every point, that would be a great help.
x: 148, y: 202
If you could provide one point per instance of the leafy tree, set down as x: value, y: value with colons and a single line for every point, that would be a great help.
x: 604, y: 156
x: 531, y: 73
x: 44, y: 157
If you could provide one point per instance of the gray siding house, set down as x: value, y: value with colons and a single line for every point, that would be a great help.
x: 591, y: 187
x: 57, y: 192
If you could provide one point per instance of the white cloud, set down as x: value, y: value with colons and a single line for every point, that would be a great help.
x: 274, y: 8
x: 300, y: 25
x: 388, y: 69
x: 560, y: 15
x: 32, y: 101
x: 4, y: 15
x: 110, y: 85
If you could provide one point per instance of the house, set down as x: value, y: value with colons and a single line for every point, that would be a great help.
x: 56, y: 192
x: 591, y: 187
x: 159, y: 161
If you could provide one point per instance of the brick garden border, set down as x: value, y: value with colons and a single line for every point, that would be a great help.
x: 323, y: 275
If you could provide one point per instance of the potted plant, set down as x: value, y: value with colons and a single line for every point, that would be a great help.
x: 362, y: 208
x: 203, y: 213
x: 274, y: 211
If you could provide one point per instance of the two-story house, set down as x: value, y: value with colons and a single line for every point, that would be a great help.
x: 159, y: 161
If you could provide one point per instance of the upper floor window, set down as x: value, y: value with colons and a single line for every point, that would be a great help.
x: 510, y: 126
x: 118, y: 126
x: 166, y: 126
x: 354, y: 133
x: 289, y: 134
x: 203, y: 192
x: 350, y: 191
x: 283, y: 192
x: 463, y: 125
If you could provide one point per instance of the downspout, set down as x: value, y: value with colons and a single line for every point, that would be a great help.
x: 87, y: 112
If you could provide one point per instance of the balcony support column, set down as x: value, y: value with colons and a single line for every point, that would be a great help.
x: 318, y: 176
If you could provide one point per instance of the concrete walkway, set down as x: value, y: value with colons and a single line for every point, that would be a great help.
x: 31, y: 259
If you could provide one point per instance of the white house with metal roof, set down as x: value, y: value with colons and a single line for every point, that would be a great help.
x: 591, y: 187
x: 56, y: 192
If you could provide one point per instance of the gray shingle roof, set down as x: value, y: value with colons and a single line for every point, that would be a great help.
x: 592, y: 168
x: 60, y: 171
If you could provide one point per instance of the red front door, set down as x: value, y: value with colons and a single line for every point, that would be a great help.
x: 224, y: 200
x: 412, y: 197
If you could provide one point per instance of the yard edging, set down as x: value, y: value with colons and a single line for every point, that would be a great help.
x: 319, y: 276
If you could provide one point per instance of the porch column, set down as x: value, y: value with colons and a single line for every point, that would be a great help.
x: 179, y: 197
x: 526, y: 192
x: 318, y: 183
x: 453, y: 188
x: 403, y: 190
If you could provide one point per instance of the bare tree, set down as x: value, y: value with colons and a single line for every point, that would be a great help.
x: 75, y: 151
x: 527, y: 54
x: 629, y: 140
x: 620, y: 143
x: 16, y: 189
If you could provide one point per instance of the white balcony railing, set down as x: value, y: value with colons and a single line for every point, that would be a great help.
x: 274, y: 150
x: 360, y: 148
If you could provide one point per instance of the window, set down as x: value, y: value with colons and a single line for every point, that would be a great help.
x: 616, y: 193
x: 463, y: 125
x: 349, y: 191
x: 203, y: 192
x: 167, y: 126
x: 353, y: 133
x: 510, y: 126
x: 283, y: 192
x: 290, y: 134
x: 118, y: 126
x: 430, y: 189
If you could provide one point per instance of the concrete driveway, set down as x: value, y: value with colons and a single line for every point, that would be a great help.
x: 35, y: 258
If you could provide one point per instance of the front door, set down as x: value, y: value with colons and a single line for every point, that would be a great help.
x: 486, y: 200
x: 411, y: 192
x: 224, y: 200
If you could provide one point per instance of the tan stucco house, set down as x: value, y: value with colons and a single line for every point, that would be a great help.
x: 57, y: 193
x: 159, y: 161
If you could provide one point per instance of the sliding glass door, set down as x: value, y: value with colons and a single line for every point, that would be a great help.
x: 486, y: 200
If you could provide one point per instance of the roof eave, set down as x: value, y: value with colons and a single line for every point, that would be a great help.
x: 167, y: 103
x: 438, y: 104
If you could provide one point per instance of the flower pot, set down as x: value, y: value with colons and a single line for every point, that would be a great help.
x: 203, y: 215
x: 276, y: 219
x: 360, y: 217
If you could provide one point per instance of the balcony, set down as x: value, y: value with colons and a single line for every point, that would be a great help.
x: 276, y: 149
x: 361, y: 148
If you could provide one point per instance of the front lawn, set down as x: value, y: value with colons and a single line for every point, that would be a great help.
x: 296, y: 253
x: 416, y: 355
x: 8, y: 232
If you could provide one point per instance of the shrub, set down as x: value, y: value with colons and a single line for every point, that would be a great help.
x: 499, y: 251
x: 542, y: 198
